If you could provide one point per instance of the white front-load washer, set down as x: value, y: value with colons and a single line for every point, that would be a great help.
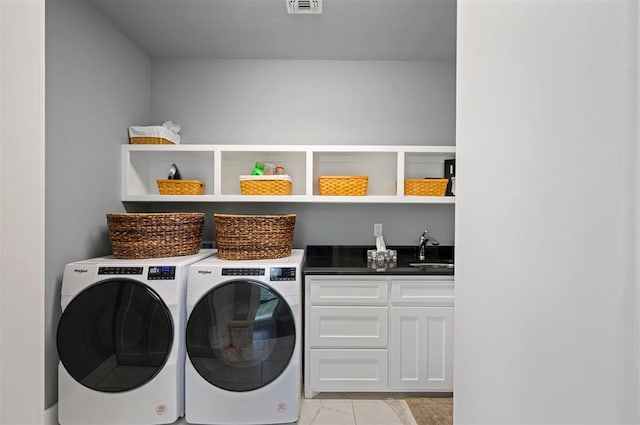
x: 243, y: 340
x: 121, y: 340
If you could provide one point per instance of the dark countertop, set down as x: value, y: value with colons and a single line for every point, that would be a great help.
x: 352, y: 259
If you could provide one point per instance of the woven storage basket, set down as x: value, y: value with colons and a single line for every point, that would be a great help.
x: 254, y: 237
x: 265, y: 185
x: 343, y: 185
x: 150, y: 141
x: 180, y: 187
x: 154, y: 235
x: 154, y: 135
x: 425, y: 187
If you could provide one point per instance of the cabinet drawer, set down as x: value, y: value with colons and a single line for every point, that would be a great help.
x: 348, y: 327
x: 348, y: 370
x: 349, y: 292
x: 439, y: 293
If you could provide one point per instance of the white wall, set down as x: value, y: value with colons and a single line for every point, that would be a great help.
x: 98, y: 83
x: 21, y: 211
x: 547, y: 111
x: 306, y: 101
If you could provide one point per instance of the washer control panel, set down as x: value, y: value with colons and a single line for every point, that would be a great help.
x: 161, y: 273
x: 282, y: 273
x: 120, y: 270
x: 243, y: 271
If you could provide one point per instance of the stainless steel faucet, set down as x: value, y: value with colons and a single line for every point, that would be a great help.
x: 424, y: 241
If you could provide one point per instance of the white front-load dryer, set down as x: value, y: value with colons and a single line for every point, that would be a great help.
x: 121, y: 340
x: 243, y: 340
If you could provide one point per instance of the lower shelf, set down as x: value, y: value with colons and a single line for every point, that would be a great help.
x: 293, y: 198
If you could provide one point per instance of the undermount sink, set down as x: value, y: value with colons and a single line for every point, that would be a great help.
x: 430, y: 264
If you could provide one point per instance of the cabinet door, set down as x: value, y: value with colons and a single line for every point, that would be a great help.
x: 421, y: 348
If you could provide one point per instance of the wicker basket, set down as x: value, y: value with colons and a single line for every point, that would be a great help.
x: 180, y: 187
x: 254, y: 237
x: 343, y: 185
x: 265, y: 185
x: 425, y: 187
x: 154, y: 135
x: 150, y: 141
x: 154, y: 235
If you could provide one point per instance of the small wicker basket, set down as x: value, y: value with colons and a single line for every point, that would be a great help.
x: 180, y: 187
x: 265, y: 185
x: 343, y: 185
x: 150, y: 141
x: 154, y: 235
x: 425, y: 187
x: 154, y: 134
x: 254, y: 237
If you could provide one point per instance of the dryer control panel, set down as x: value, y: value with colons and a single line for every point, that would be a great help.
x: 120, y: 270
x: 282, y: 273
x: 161, y: 273
x: 243, y: 272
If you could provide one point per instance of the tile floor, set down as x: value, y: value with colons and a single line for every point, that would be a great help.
x: 353, y: 409
x: 337, y: 409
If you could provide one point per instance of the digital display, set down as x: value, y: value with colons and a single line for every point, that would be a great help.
x: 282, y: 273
x: 162, y: 273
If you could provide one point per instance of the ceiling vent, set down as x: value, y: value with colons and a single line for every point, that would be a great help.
x: 300, y: 7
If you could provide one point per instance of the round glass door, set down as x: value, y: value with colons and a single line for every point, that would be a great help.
x: 241, y: 335
x: 115, y: 336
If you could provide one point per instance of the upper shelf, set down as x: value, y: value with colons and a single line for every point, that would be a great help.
x: 219, y: 167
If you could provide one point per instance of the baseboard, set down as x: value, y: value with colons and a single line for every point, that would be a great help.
x: 51, y: 415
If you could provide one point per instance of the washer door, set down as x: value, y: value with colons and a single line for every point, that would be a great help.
x: 241, y: 335
x: 115, y: 336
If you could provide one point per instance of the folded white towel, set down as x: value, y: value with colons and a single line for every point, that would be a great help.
x: 170, y: 125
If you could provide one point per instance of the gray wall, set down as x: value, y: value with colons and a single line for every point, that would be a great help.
x: 307, y: 101
x: 315, y: 102
x: 347, y: 224
x: 97, y: 84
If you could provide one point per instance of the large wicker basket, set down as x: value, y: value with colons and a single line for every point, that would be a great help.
x: 180, y: 187
x: 154, y: 235
x: 343, y: 185
x: 254, y: 237
x: 425, y: 187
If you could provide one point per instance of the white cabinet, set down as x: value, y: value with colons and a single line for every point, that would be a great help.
x: 421, y: 349
x: 378, y: 333
x: 346, y: 334
x: 219, y: 167
x: 421, y: 335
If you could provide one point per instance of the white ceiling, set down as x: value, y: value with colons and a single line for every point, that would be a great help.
x: 262, y: 29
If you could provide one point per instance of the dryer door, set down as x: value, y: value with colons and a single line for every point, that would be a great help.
x: 241, y: 335
x: 115, y: 335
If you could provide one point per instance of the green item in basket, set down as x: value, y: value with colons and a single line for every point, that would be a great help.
x: 258, y: 169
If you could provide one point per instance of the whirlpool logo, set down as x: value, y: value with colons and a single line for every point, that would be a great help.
x: 80, y: 270
x: 204, y: 271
